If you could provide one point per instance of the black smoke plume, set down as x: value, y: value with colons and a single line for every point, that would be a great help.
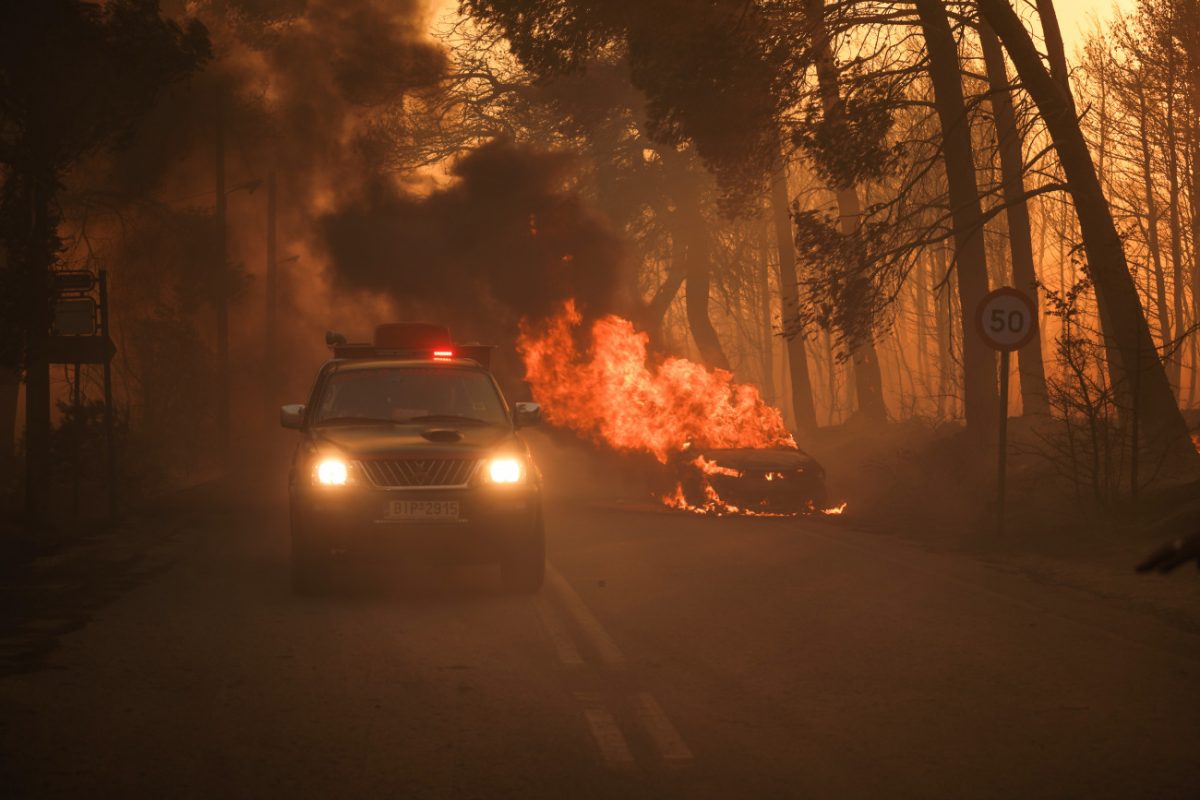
x: 507, y: 239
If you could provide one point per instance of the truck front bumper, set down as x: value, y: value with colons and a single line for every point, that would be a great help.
x: 491, y: 521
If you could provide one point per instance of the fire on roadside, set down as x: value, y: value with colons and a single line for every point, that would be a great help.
x: 611, y: 393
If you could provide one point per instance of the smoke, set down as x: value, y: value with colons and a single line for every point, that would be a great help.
x: 294, y: 88
x: 293, y: 85
x: 506, y: 238
x: 298, y: 89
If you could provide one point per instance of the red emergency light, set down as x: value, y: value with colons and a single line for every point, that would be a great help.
x: 443, y: 355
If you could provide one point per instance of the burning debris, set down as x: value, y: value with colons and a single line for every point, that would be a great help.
x: 718, y: 434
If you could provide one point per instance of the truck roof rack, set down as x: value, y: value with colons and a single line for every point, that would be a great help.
x: 479, y: 353
x: 422, y: 341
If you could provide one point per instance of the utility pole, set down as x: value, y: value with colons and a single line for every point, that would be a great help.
x: 222, y: 298
x: 37, y: 366
x: 110, y: 445
x: 272, y: 362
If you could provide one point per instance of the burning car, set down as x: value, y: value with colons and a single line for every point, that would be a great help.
x: 725, y: 449
x: 748, y: 480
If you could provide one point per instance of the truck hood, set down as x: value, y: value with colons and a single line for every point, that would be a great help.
x: 425, y: 440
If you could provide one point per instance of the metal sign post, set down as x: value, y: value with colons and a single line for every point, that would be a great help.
x: 80, y: 335
x: 1007, y: 321
x: 110, y: 446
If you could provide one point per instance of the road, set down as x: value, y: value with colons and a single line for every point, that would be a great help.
x: 668, y: 656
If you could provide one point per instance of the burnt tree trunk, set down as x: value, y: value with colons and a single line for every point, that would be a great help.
x: 10, y: 387
x: 31, y: 247
x: 766, y: 328
x: 1056, y: 53
x: 698, y: 283
x: 1194, y: 201
x: 1152, y: 240
x: 1164, y: 427
x: 868, y: 380
x: 688, y: 227
x: 655, y: 310
x: 980, y: 399
x: 1020, y: 234
x: 1175, y: 359
x: 803, y: 408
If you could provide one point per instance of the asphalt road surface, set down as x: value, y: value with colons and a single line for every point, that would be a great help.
x: 668, y: 656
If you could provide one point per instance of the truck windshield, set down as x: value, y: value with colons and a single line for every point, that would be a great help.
x: 410, y: 394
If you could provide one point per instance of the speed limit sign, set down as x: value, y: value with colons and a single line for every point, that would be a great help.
x: 1007, y: 319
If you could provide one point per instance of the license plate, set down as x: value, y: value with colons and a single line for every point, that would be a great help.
x: 420, y: 510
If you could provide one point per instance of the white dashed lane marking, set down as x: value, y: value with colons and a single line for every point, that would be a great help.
x: 603, y: 725
x: 669, y: 743
x: 603, y: 644
x: 613, y: 746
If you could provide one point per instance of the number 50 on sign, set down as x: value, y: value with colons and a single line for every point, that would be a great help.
x: 1007, y: 320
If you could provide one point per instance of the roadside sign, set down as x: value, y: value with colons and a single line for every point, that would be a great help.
x: 1007, y: 319
x: 72, y: 281
x: 75, y: 317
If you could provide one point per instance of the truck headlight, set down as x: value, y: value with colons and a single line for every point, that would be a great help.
x: 505, y: 470
x: 332, y: 472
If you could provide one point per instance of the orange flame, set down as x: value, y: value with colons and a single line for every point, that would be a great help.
x: 613, y: 396
x: 713, y: 468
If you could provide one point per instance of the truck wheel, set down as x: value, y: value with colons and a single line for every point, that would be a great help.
x: 524, y: 568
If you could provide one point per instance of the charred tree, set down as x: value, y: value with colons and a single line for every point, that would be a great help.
x: 1164, y: 427
x: 689, y: 228
x: 696, y: 291
x: 980, y: 399
x: 1020, y: 235
x: 868, y: 381
x: 1170, y: 133
x: 803, y: 407
x: 53, y: 115
x: 766, y: 327
x: 1152, y: 215
x: 656, y: 309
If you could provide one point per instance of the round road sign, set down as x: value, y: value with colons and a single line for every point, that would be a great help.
x: 1007, y: 319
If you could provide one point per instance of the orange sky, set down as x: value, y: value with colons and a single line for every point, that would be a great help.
x: 1076, y: 17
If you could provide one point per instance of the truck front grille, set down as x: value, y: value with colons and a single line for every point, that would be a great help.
x: 419, y: 472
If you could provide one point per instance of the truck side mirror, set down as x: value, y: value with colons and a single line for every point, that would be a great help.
x: 526, y: 414
x: 292, y: 416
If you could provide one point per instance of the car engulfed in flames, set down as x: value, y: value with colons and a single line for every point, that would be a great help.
x: 779, y: 481
x: 725, y: 449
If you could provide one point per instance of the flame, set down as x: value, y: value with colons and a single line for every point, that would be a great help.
x: 713, y: 468
x: 713, y: 505
x: 613, y: 394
